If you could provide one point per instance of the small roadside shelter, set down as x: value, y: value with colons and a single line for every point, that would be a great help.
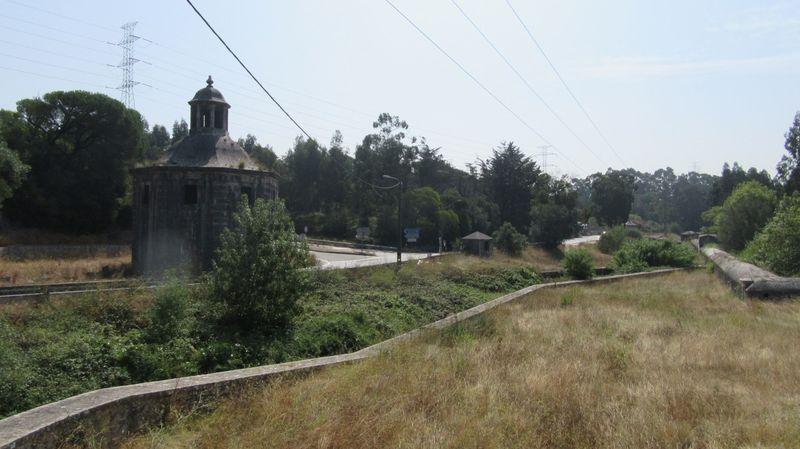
x: 478, y: 244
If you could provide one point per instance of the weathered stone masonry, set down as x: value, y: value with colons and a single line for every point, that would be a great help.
x: 184, y: 201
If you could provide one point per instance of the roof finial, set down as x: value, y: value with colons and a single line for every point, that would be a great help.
x: 209, y: 81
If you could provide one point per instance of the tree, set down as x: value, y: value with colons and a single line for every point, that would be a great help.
x: 691, y: 195
x: 612, y: 196
x: 554, y: 213
x: 789, y: 166
x: 743, y: 214
x: 732, y: 177
x: 263, y: 155
x: 157, y: 142
x: 509, y: 240
x: 179, y: 130
x: 777, y: 246
x: 578, y: 264
x: 258, y: 273
x: 301, y: 181
x: 510, y: 177
x: 80, y: 147
x: 12, y: 172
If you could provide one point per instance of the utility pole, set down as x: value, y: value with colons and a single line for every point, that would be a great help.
x: 399, y: 217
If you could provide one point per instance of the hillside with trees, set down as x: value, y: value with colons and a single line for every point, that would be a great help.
x: 66, y: 162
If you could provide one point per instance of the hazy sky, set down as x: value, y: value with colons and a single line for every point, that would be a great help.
x: 681, y: 83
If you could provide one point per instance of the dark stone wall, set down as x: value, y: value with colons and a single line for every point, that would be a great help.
x: 174, y: 228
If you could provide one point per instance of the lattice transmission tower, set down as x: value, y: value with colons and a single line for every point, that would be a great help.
x: 126, y: 65
x: 543, y: 154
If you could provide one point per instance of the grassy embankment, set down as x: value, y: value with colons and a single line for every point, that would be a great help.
x: 61, y: 269
x: 54, y: 349
x: 50, y: 270
x: 674, y: 361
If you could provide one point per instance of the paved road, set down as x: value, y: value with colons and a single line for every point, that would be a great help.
x: 581, y: 240
x: 328, y: 261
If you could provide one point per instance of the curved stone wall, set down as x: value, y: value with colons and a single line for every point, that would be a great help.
x: 103, y: 418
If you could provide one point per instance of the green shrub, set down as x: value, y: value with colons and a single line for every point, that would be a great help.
x: 495, y: 279
x: 743, y: 214
x: 613, y: 239
x: 335, y: 333
x: 777, y: 246
x: 169, y: 316
x: 509, y: 240
x: 639, y: 255
x: 258, y: 273
x: 578, y: 264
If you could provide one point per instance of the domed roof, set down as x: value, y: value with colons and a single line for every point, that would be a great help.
x: 209, y: 93
x: 210, y: 151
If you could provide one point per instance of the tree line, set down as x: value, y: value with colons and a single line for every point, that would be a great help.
x: 65, y: 160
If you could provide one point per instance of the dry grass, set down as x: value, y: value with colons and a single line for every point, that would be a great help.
x: 537, y: 258
x: 15, y: 272
x: 30, y: 236
x: 670, y: 362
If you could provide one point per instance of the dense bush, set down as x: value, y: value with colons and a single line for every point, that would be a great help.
x: 743, y: 214
x: 777, y: 246
x: 169, y: 317
x: 612, y: 240
x: 578, y: 264
x: 52, y: 351
x: 258, y: 273
x: 335, y: 333
x: 639, y: 255
x: 496, y: 279
x: 508, y: 240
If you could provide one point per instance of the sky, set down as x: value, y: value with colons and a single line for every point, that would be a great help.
x: 688, y: 84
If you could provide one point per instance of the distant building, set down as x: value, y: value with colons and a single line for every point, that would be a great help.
x: 478, y: 244
x: 182, y: 203
x: 688, y: 236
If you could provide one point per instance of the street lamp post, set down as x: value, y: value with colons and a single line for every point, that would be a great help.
x: 399, y: 216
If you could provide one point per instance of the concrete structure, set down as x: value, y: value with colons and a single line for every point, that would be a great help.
x: 184, y: 201
x: 688, y: 236
x: 749, y: 280
x: 478, y: 244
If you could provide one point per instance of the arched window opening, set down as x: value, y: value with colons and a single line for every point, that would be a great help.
x: 219, y: 116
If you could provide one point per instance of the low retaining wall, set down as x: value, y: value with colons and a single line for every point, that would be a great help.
x: 351, y: 245
x: 108, y: 416
x: 750, y: 280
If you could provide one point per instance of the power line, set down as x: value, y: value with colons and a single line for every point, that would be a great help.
x: 29, y: 22
x: 159, y: 81
x: 374, y: 186
x: 564, y: 83
x: 85, y: 72
x: 248, y: 71
x: 61, y: 55
x: 474, y: 79
x: 523, y: 79
x: 196, y: 58
x: 48, y: 37
x: 59, y: 15
x: 52, y: 77
x: 57, y: 40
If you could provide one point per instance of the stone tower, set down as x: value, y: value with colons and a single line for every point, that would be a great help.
x: 183, y: 202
